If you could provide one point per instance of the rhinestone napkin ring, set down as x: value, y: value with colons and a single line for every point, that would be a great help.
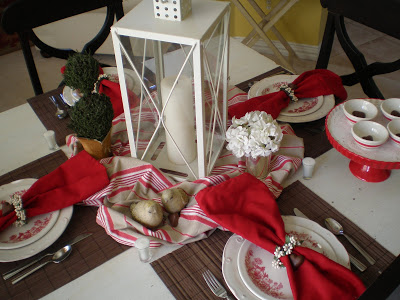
x: 286, y: 249
x: 289, y: 91
x: 16, y: 201
x: 97, y: 83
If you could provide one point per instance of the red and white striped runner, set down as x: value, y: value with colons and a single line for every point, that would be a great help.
x: 133, y: 180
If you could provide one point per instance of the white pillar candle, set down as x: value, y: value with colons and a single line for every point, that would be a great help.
x: 179, y: 119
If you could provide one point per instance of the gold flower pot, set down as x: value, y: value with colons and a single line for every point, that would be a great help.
x: 96, y: 148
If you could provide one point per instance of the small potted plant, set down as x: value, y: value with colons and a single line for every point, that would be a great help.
x: 91, y: 119
x: 81, y: 72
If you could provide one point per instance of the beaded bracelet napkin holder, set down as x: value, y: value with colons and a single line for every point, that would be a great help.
x: 16, y: 201
x: 290, y: 243
x: 289, y: 91
x: 97, y: 83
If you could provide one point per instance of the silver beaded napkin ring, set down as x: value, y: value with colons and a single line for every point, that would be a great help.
x: 289, y: 91
x: 97, y: 83
x: 16, y: 201
x: 286, y: 249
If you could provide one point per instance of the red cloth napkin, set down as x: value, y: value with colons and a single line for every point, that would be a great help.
x: 113, y: 90
x: 73, y: 181
x: 245, y: 206
x: 309, y: 84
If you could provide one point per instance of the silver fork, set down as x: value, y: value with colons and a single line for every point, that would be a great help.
x: 215, y: 286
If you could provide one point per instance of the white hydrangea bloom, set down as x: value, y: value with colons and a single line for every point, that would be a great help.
x: 255, y: 134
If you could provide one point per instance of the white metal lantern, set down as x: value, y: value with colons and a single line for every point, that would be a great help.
x: 178, y: 122
x: 172, y: 10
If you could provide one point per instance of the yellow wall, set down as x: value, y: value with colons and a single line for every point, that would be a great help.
x: 301, y: 24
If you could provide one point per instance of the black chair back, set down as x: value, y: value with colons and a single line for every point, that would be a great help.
x: 23, y: 16
x: 382, y: 17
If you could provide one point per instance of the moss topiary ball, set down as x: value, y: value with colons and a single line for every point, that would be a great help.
x: 91, y: 116
x: 81, y: 72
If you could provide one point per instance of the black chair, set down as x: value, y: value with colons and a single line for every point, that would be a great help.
x: 382, y: 16
x: 23, y: 16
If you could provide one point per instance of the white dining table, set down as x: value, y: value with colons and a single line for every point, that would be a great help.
x: 374, y: 207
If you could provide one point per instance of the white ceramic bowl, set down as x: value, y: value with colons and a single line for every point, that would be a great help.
x: 389, y: 106
x: 354, y: 106
x: 394, y: 130
x: 363, y: 130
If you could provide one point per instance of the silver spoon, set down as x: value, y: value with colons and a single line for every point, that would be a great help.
x: 60, y: 113
x: 336, y: 228
x: 58, y: 257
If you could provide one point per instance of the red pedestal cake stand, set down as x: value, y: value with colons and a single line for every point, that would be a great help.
x: 371, y: 165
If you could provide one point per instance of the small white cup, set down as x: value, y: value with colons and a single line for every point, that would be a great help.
x: 143, y: 246
x: 308, y: 167
x: 50, y: 137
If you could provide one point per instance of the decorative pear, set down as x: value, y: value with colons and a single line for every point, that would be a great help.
x: 174, y: 200
x: 148, y: 213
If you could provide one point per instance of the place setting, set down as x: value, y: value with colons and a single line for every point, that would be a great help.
x: 301, y: 111
x: 18, y: 243
x: 247, y: 268
x: 75, y: 226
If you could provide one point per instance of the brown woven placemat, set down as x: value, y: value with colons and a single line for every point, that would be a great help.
x: 45, y: 110
x: 246, y: 85
x: 86, y: 255
x: 313, y: 133
x: 181, y: 270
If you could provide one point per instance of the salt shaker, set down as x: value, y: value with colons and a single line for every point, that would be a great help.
x: 50, y: 137
x: 143, y: 246
x: 308, y: 167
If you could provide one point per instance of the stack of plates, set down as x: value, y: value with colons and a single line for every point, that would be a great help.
x: 71, y: 98
x: 304, y: 110
x: 18, y: 243
x: 248, y: 270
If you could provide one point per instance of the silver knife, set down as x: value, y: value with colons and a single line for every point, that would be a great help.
x: 358, y: 264
x: 16, y: 270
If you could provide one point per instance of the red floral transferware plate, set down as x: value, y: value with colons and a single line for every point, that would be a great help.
x: 295, y: 109
x: 16, y: 237
x: 233, y: 261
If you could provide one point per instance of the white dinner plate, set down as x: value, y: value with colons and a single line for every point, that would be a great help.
x: 131, y: 84
x: 16, y: 237
x: 340, y: 251
x: 230, y: 267
x: 304, y: 110
x: 62, y: 218
x: 67, y: 96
